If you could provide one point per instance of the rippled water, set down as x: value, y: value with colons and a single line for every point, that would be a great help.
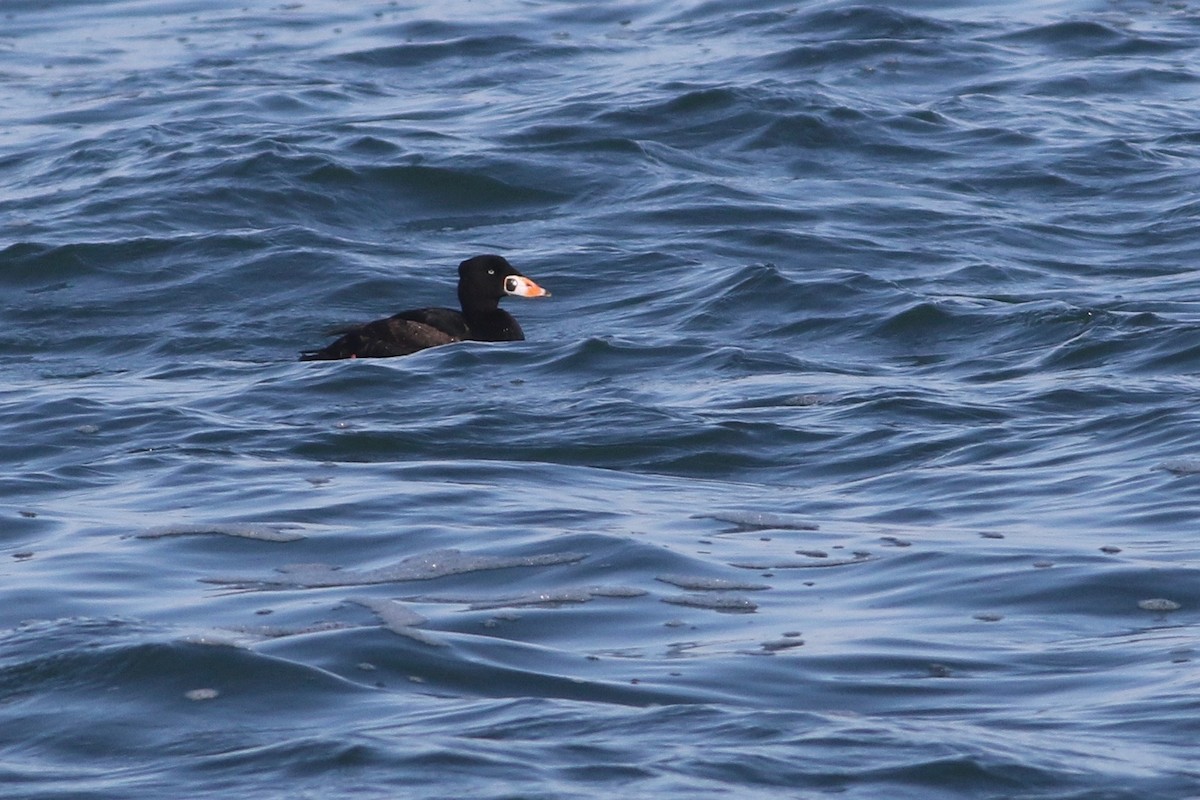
x: 856, y: 452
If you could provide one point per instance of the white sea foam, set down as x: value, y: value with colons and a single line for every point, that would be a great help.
x: 793, y: 564
x: 702, y: 584
x: 560, y: 597
x: 423, y: 567
x: 1158, y: 604
x: 263, y: 533
x: 761, y: 520
x: 724, y: 603
x: 399, y: 618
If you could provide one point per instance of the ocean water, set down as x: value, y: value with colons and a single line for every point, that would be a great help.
x: 856, y: 454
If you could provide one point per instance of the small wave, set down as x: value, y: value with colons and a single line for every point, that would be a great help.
x: 873, y: 22
x: 818, y: 55
x: 1081, y: 38
x: 35, y: 265
x: 420, y: 54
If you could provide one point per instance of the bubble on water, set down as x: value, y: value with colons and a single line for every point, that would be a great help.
x: 201, y: 694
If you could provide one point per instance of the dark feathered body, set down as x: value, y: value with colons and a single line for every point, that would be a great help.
x: 482, y: 282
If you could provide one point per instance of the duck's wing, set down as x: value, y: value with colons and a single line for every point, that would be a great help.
x: 447, y: 320
x: 398, y: 335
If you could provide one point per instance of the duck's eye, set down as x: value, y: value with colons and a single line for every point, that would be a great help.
x: 491, y: 272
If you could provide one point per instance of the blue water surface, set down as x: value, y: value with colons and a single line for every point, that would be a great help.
x: 857, y: 452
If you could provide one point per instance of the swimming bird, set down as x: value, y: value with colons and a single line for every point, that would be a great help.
x: 482, y: 282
